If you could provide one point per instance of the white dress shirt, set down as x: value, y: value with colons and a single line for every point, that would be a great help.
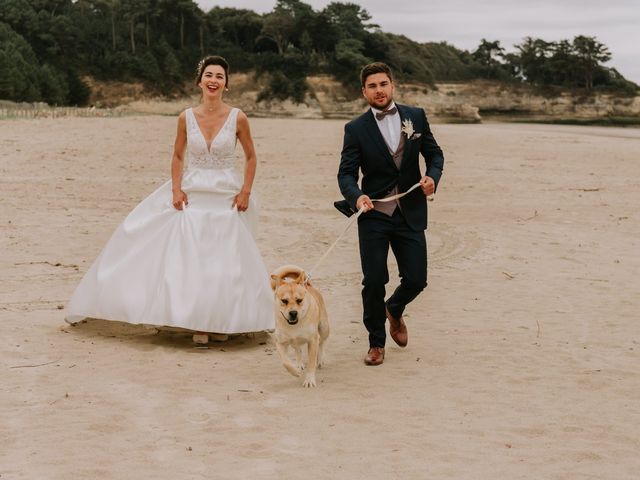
x: 389, y: 126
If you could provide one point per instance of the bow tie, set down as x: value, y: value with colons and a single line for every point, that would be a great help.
x: 384, y: 113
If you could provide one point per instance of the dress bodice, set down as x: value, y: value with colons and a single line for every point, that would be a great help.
x: 221, y: 155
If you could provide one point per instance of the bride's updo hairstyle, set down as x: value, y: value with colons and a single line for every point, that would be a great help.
x: 212, y: 60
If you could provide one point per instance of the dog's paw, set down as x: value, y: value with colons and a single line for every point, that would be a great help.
x: 309, y: 381
x: 294, y: 370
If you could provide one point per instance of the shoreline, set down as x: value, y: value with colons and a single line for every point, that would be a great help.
x: 36, y: 113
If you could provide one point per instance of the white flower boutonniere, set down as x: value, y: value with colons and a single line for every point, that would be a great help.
x: 407, y: 127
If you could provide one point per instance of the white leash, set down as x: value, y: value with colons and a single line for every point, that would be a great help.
x: 351, y: 222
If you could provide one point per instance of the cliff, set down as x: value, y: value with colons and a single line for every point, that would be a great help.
x: 467, y: 102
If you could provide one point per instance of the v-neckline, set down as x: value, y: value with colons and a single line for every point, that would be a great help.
x: 209, y: 145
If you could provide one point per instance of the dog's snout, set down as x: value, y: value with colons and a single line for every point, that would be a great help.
x: 292, y: 318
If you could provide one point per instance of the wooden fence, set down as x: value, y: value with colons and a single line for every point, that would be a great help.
x: 40, y: 111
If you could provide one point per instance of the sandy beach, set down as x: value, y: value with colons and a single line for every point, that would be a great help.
x: 523, y: 351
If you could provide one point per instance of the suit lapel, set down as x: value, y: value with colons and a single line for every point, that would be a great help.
x: 404, y: 115
x: 376, y: 135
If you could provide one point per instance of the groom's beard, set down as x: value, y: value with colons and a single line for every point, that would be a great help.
x: 382, y: 106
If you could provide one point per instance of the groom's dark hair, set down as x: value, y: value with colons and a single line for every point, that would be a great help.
x: 373, y: 68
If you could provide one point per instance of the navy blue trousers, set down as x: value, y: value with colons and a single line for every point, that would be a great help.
x: 376, y: 232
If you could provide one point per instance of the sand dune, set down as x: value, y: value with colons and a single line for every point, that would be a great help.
x: 523, y: 352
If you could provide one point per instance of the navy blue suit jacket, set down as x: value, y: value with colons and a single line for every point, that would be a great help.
x: 364, y: 150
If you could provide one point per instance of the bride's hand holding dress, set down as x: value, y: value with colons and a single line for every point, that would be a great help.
x: 179, y: 200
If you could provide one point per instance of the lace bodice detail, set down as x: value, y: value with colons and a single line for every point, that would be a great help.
x: 223, y: 147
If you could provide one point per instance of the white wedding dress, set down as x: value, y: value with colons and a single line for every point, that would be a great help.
x: 198, y: 268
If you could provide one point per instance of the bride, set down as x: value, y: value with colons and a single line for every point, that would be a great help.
x: 186, y: 255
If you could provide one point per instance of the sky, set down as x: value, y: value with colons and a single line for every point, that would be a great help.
x: 463, y: 23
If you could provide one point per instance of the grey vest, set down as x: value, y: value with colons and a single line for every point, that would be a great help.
x: 389, y: 207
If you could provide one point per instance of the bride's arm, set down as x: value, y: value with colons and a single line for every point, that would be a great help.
x: 177, y: 164
x: 244, y: 135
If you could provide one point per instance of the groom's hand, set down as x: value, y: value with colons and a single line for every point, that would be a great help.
x: 364, y: 200
x: 428, y: 186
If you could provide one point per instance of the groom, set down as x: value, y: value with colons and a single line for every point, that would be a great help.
x: 384, y: 143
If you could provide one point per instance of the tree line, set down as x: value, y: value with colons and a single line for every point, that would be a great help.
x: 48, y: 46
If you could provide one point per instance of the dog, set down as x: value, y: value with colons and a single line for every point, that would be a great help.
x: 300, y: 318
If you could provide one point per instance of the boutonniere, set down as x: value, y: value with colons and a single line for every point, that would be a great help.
x: 407, y: 129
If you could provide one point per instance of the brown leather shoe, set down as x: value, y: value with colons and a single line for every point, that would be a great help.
x: 375, y: 356
x: 397, y: 329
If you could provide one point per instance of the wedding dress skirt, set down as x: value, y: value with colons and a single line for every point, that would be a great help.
x: 198, y: 268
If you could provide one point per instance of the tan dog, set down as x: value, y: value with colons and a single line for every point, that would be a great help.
x: 301, y: 318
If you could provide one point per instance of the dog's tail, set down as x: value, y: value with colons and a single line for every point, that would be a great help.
x: 292, y: 272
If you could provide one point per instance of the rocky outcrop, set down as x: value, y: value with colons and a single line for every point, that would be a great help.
x: 497, y: 100
x: 467, y: 102
x: 328, y: 98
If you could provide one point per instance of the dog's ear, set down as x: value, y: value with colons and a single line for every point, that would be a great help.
x: 276, y: 280
x: 303, y: 279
